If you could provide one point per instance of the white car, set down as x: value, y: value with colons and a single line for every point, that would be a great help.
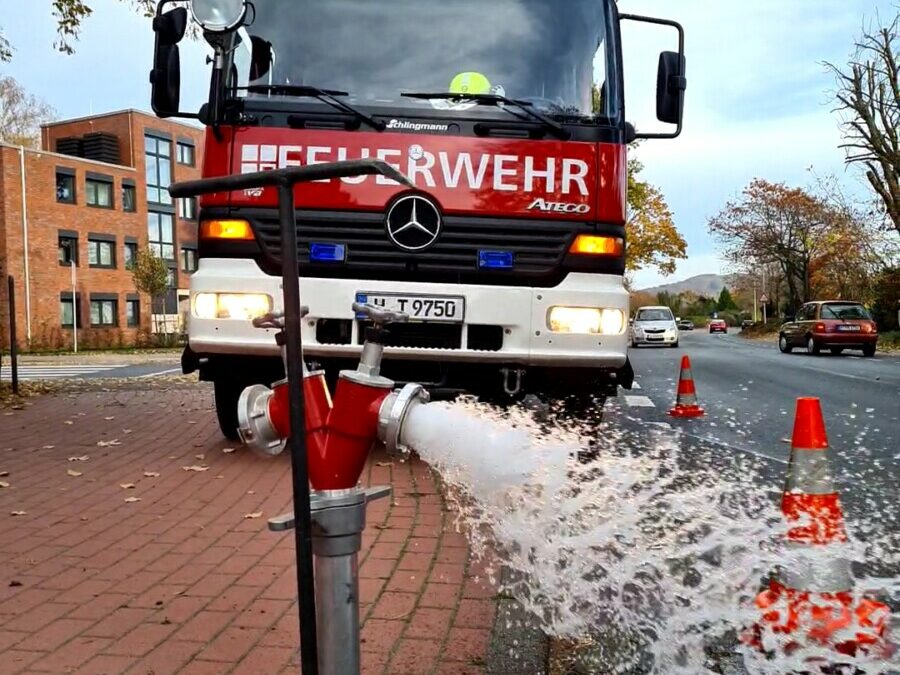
x: 654, y: 326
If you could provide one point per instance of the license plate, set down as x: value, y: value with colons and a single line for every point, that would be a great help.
x: 853, y: 328
x: 447, y: 308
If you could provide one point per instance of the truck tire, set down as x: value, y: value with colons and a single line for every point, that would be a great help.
x: 227, y: 392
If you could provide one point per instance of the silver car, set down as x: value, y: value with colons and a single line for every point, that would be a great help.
x: 654, y: 326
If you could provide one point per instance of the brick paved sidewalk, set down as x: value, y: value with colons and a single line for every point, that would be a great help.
x: 182, y: 581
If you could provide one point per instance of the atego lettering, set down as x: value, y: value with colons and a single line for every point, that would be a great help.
x: 477, y: 171
x: 558, y: 207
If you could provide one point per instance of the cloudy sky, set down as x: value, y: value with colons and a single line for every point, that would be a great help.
x: 757, y: 102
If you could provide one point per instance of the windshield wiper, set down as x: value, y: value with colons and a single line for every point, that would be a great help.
x: 496, y: 99
x: 326, y: 96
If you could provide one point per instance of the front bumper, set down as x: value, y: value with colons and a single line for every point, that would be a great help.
x: 521, y: 311
x: 655, y: 339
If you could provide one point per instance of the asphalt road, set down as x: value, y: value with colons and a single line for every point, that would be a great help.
x: 749, y: 391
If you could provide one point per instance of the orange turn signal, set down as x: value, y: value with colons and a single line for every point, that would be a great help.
x: 226, y: 229
x: 591, y: 244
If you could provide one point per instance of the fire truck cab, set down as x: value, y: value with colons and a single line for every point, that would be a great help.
x: 508, y: 257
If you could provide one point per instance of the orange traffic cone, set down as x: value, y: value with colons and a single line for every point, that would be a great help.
x: 814, y: 595
x: 686, y: 398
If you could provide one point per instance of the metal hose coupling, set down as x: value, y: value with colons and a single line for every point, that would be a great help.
x: 255, y: 427
x: 392, y: 415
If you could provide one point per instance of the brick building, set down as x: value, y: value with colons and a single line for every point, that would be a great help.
x: 94, y: 194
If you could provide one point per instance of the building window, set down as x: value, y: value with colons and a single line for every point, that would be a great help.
x: 65, y: 188
x: 185, y: 154
x: 129, y: 198
x: 66, y: 316
x: 101, y: 253
x: 188, y: 260
x: 162, y: 234
x: 104, y: 312
x: 187, y: 208
x: 157, y: 157
x: 170, y: 301
x: 133, y: 313
x: 68, y: 250
x: 130, y: 255
x: 98, y: 193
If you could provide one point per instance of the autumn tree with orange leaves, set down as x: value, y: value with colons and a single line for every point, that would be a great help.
x: 820, y: 245
x: 653, y: 240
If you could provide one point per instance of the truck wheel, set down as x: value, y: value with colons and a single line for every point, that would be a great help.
x: 227, y: 393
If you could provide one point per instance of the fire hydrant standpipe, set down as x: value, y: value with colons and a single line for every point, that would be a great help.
x: 284, y: 180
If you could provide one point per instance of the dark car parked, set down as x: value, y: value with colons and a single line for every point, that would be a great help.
x: 830, y: 324
x: 748, y: 323
x: 685, y: 324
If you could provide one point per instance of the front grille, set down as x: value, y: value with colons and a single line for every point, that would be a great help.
x: 420, y: 335
x: 538, y: 248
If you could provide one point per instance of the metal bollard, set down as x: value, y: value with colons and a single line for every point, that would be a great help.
x: 338, y: 520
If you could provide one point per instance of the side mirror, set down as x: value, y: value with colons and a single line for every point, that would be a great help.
x: 261, y: 59
x: 670, y: 86
x: 165, y: 78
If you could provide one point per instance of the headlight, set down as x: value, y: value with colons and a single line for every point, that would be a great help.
x: 218, y: 16
x: 586, y: 320
x: 240, y: 306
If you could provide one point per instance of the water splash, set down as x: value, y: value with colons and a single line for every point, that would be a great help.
x: 653, y: 549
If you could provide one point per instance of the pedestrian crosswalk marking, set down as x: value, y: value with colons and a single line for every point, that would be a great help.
x: 55, y: 371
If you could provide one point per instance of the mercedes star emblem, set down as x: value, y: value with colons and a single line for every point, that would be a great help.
x: 413, y: 223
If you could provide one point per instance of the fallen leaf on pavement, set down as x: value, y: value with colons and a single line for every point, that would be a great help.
x: 68, y: 422
x: 130, y: 500
x: 227, y: 451
x: 18, y: 513
x: 49, y: 447
x: 195, y: 468
x: 785, y: 440
x: 4, y: 484
x: 83, y: 458
x: 106, y: 444
x: 83, y: 518
x: 4, y: 474
x: 191, y: 422
x: 74, y: 473
x: 151, y: 474
x: 111, y: 417
x: 15, y: 583
x: 253, y: 515
x: 127, y: 486
x: 384, y: 464
x: 220, y: 476
x: 251, y: 492
x: 126, y: 431
x: 200, y: 456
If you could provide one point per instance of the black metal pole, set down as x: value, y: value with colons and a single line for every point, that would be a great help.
x: 297, y: 442
x: 13, y: 350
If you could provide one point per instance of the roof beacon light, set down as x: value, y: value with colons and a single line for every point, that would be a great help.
x: 219, y: 16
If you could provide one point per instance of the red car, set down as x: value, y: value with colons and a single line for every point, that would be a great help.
x: 718, y: 326
x: 830, y: 324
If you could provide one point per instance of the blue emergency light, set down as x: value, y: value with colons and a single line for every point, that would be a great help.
x: 326, y: 252
x: 495, y: 260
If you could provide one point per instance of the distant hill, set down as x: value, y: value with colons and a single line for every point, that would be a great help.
x: 709, y: 285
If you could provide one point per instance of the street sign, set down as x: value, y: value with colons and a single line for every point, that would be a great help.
x: 764, y: 299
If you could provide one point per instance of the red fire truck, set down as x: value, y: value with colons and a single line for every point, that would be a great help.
x: 508, y: 116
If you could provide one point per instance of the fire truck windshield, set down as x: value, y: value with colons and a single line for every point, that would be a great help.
x: 562, y: 60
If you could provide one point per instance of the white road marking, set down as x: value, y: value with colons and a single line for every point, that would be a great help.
x: 636, y: 385
x: 54, y: 372
x: 639, y: 402
x: 159, y: 372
